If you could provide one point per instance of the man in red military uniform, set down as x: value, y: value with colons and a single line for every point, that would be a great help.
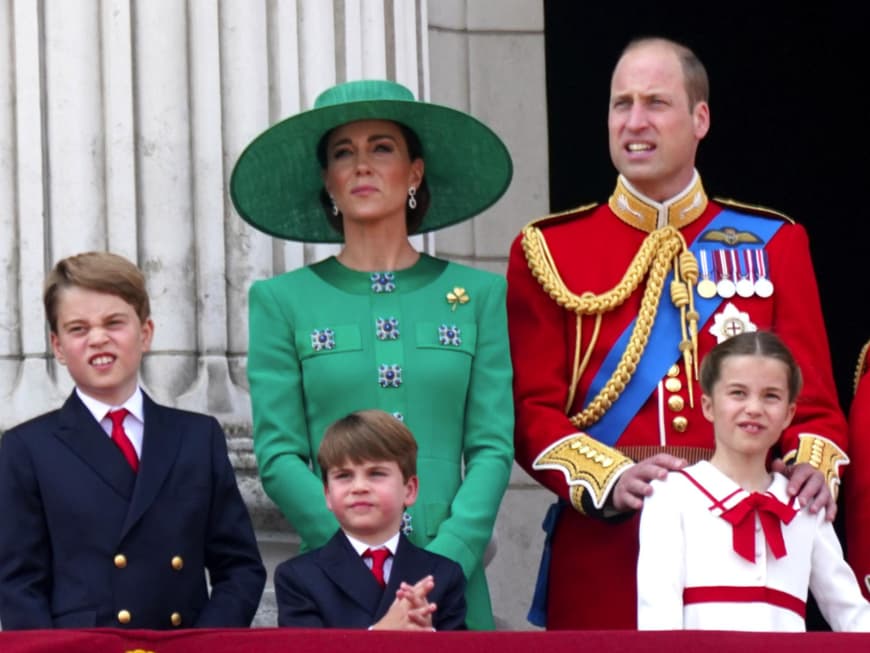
x: 857, y: 488
x: 610, y: 309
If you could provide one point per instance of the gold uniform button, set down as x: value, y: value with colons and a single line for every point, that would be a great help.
x: 673, y: 385
x: 175, y: 618
x: 674, y: 371
x: 680, y: 424
x: 124, y: 616
x: 676, y: 403
x: 120, y: 561
x: 177, y: 563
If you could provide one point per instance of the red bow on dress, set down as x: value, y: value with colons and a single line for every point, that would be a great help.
x: 771, y: 511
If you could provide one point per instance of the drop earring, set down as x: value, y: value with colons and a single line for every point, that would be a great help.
x: 407, y: 529
x: 334, y: 206
x: 412, y: 200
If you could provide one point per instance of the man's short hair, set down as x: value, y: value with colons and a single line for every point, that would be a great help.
x: 695, y: 77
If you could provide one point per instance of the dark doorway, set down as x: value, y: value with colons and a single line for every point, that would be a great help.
x: 789, y: 130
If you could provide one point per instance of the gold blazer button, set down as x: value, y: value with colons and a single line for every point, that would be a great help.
x: 673, y: 385
x: 676, y: 403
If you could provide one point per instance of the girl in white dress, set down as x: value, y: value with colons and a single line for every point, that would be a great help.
x: 722, y: 545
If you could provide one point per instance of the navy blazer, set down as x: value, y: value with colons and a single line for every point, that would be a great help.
x: 87, y: 542
x: 331, y: 587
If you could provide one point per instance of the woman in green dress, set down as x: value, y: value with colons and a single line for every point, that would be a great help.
x: 381, y: 325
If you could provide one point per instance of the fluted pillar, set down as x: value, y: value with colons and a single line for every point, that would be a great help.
x: 10, y: 307
x: 120, y: 121
x: 26, y: 372
x: 119, y: 125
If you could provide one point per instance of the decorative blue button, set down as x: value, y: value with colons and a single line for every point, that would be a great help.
x: 390, y: 376
x: 322, y: 339
x: 388, y: 329
x: 449, y: 335
x: 383, y: 282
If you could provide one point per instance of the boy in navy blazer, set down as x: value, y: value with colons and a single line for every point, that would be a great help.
x: 369, y: 465
x: 114, y: 520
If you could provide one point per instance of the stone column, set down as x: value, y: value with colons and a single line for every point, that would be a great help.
x: 120, y: 121
x: 27, y: 387
x: 119, y: 124
x: 10, y: 298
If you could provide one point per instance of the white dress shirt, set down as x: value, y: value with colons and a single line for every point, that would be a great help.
x: 391, y: 544
x: 134, y: 423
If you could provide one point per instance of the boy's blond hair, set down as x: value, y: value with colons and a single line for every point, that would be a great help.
x: 368, y: 436
x: 98, y: 271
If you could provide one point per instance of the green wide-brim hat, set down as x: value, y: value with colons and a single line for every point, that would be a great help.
x: 276, y: 183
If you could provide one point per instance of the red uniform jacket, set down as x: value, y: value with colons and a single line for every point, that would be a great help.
x: 592, y: 584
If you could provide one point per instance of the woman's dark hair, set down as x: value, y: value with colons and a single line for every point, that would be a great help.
x: 753, y: 343
x: 413, y: 217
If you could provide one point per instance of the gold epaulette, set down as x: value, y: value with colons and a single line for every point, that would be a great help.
x: 588, y: 465
x: 861, y: 367
x: 754, y: 208
x: 561, y: 216
x: 823, y: 454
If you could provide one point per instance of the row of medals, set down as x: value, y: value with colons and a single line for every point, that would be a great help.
x: 743, y: 273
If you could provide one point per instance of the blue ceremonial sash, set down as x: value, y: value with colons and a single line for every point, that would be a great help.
x: 660, y: 353
x: 662, y: 350
x: 537, y: 615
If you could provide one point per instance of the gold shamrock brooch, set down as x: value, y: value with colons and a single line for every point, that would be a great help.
x: 457, y: 296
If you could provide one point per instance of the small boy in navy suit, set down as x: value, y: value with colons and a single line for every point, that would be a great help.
x: 114, y: 507
x: 361, y: 577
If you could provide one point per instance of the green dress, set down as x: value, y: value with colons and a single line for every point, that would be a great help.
x: 428, y: 344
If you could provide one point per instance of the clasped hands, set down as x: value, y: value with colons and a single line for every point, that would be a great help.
x: 411, y: 609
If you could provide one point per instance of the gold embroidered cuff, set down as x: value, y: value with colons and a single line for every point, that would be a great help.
x: 577, y: 492
x: 587, y: 465
x: 823, y: 454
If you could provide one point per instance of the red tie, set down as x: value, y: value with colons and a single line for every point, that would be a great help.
x: 378, y: 556
x: 771, y: 511
x: 119, y: 437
